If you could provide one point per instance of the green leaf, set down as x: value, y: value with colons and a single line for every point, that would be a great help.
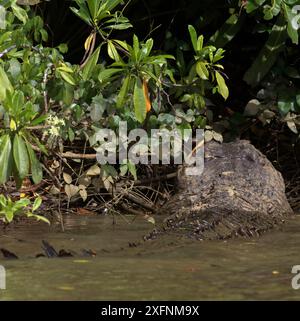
x: 123, y: 169
x: 136, y: 47
x: 63, y: 48
x: 18, y: 101
x: 268, y: 54
x: 35, y: 165
x: 67, y: 92
x: 119, y: 26
x: 193, y: 35
x: 83, y: 14
x: 123, y: 44
x: 5, y: 84
x: 37, y: 203
x: 285, y: 104
x: 67, y: 77
x: 112, y: 51
x: 9, y: 215
x: 20, y: 156
x: 93, y: 7
x: 90, y: 65
x: 139, y: 101
x: 200, y: 43
x: 132, y: 169
x: 292, y: 32
x: 38, y: 120
x: 223, y: 89
x: 107, y: 73
x: 19, y: 12
x: 38, y: 217
x: 123, y: 92
x: 251, y: 5
x: 202, y: 71
x: 111, y: 4
x: 147, y: 47
x: 5, y: 158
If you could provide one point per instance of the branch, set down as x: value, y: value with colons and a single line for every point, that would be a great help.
x: 6, y: 51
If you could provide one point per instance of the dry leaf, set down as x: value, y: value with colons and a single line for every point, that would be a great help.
x: 217, y: 137
x: 150, y: 219
x: 67, y: 178
x: 83, y: 194
x: 54, y: 190
x: 93, y: 171
x: 208, y: 136
x: 71, y: 190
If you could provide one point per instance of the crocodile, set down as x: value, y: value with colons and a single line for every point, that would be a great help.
x: 239, y: 193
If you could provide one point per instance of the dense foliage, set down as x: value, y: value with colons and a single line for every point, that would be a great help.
x: 48, y: 103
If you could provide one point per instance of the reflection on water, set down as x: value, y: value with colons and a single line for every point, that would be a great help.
x: 166, y: 269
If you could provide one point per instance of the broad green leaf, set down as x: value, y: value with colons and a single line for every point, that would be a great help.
x: 123, y: 44
x: 19, y: 12
x: 193, y: 35
x: 108, y: 73
x: 112, y: 51
x: 67, y: 92
x: 5, y: 84
x: 223, y: 89
x: 202, y: 71
x: 83, y: 14
x: 67, y: 77
x: 35, y: 165
x: 21, y: 156
x: 38, y: 120
x: 20, y: 204
x: 268, y: 54
x: 200, y: 43
x: 37, y: 203
x: 9, y: 215
x: 65, y: 68
x: 139, y: 101
x: 292, y: 32
x: 18, y: 101
x: 147, y: 47
x: 5, y: 158
x: 285, y: 105
x: 111, y: 4
x: 93, y: 6
x: 123, y: 92
x: 136, y: 47
x: 90, y: 65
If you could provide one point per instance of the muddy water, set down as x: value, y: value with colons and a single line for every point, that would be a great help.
x: 167, y: 269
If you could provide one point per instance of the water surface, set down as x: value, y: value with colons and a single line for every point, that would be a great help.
x: 166, y: 269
